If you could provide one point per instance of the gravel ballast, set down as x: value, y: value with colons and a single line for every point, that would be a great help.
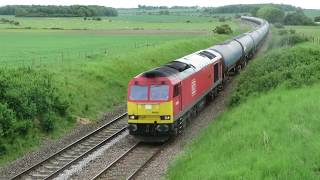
x: 50, y: 147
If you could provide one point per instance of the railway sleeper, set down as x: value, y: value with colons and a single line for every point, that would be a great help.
x: 53, y: 168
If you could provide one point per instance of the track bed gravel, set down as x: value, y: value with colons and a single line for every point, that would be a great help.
x: 50, y: 147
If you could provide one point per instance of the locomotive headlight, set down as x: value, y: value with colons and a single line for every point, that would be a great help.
x: 167, y: 117
x: 133, y: 117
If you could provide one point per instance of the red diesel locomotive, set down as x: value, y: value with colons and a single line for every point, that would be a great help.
x: 162, y: 101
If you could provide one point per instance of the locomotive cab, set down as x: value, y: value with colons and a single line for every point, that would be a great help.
x: 150, y: 106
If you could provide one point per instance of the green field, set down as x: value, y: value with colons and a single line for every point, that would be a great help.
x: 271, y: 131
x: 120, y: 22
x: 60, y: 47
x: 307, y: 30
x: 42, y: 45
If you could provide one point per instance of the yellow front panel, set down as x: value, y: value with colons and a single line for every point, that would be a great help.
x: 150, y: 112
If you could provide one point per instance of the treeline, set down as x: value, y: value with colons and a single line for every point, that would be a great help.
x: 246, y: 8
x: 57, y: 11
x: 275, y: 15
x: 166, y: 7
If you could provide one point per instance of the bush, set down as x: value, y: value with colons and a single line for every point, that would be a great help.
x: 222, y: 19
x: 317, y: 19
x: 223, y: 29
x: 28, y: 98
x: 292, y: 68
x: 47, y: 122
x: 292, y: 31
x: 292, y: 40
x: 237, y: 16
x: 7, y: 121
x: 278, y: 25
x: 283, y: 32
x: 297, y: 18
x: 271, y: 14
x: 164, y: 12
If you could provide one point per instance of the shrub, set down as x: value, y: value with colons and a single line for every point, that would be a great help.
x: 223, y: 29
x: 297, y: 18
x: 292, y: 31
x: 28, y: 98
x: 317, y: 19
x: 283, y: 32
x: 278, y: 25
x: 7, y: 121
x: 222, y: 19
x: 291, y: 68
x: 47, y: 122
x: 164, y: 12
x: 271, y: 14
x: 237, y: 16
x: 292, y: 40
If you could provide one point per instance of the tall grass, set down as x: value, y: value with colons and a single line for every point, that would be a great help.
x: 275, y: 136
x: 290, y: 67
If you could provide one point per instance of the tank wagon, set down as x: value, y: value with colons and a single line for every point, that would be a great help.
x: 163, y: 100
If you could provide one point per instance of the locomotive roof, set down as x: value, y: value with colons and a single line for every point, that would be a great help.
x: 184, y: 66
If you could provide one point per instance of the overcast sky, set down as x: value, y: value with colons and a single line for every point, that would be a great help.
x: 310, y: 4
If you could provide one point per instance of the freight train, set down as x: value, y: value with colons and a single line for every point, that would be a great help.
x: 162, y: 101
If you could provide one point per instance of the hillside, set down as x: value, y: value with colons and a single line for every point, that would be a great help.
x: 272, y: 129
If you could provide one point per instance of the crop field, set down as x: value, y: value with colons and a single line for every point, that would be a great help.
x: 121, y: 22
x: 52, y: 40
x: 38, y: 47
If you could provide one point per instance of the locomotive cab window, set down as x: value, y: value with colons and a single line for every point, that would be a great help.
x: 139, y: 93
x: 176, y: 90
x: 216, y: 72
x: 159, y: 92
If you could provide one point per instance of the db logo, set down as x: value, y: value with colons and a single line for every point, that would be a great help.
x: 193, y: 87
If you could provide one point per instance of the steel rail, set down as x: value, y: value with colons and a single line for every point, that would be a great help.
x: 91, y: 134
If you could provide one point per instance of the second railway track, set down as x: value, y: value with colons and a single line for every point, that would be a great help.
x: 130, y: 163
x: 52, y: 166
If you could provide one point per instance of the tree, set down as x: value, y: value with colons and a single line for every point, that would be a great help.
x: 317, y: 19
x: 297, y: 18
x: 271, y: 14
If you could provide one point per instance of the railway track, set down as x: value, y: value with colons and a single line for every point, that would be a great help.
x: 54, y: 165
x: 130, y: 163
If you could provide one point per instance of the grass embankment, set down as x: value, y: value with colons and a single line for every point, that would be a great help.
x: 272, y: 131
x: 277, y: 139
